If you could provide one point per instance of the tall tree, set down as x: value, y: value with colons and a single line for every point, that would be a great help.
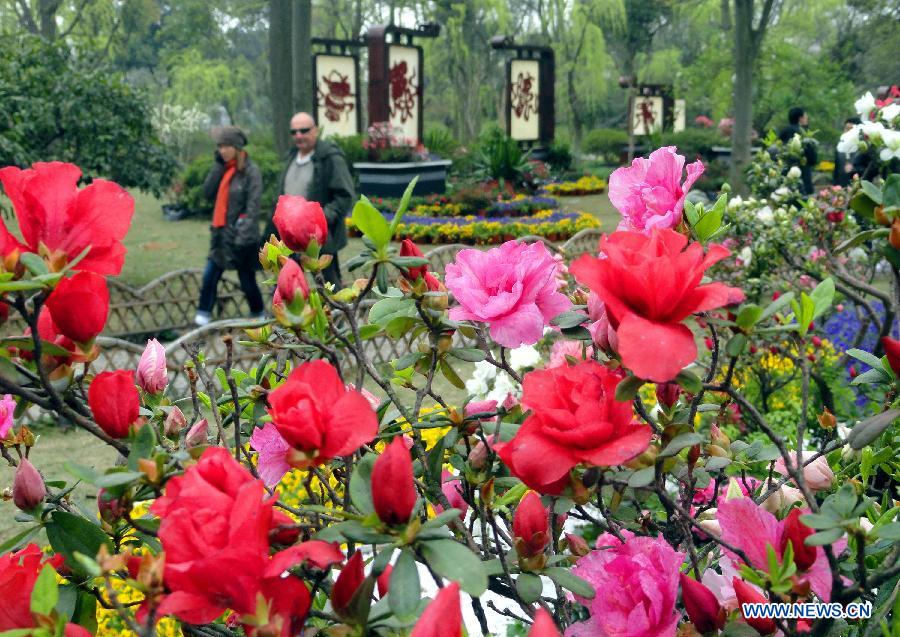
x: 302, y: 50
x: 749, y: 32
x: 280, y: 71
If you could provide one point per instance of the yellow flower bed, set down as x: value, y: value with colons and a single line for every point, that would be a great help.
x: 587, y: 185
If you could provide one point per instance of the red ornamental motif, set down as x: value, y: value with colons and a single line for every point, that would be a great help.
x: 404, y: 91
x: 521, y: 97
x: 646, y: 114
x: 337, y: 96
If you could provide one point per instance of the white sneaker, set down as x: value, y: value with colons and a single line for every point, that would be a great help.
x: 202, y: 318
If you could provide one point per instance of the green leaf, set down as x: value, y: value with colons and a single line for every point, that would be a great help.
x: 710, y: 222
x: 865, y: 357
x: 45, y: 593
x: 628, y: 388
x: 569, y: 319
x: 143, y: 445
x: 33, y: 263
x: 444, y: 517
x: 681, y: 441
x: 568, y: 580
x: 872, y: 191
x: 776, y: 306
x: 748, y: 316
x: 889, y: 532
x: 405, y: 591
x: 820, y: 521
x: 822, y: 296
x: 890, y: 192
x: 870, y: 377
x: 689, y: 382
x: 468, y: 354
x: 641, y: 477
x: 404, y: 204
x: 116, y: 478
x: 690, y: 212
x: 18, y: 539
x: 361, y: 485
x: 456, y: 562
x: 736, y: 345
x: 868, y: 431
x: 69, y: 533
x: 371, y: 222
x: 824, y: 537
x: 862, y: 237
x: 529, y: 587
x: 451, y: 375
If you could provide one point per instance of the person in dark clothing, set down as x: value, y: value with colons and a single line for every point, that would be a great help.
x: 235, y: 184
x: 798, y: 123
x: 843, y: 163
x: 317, y: 170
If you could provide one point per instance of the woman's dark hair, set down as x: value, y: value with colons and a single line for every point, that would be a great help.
x: 795, y: 114
x: 853, y: 120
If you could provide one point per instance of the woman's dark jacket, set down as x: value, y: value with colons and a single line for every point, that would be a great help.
x: 236, y: 244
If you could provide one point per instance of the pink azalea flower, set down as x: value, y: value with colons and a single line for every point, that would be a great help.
x: 561, y: 349
x: 601, y: 330
x: 7, y: 407
x: 451, y: 488
x: 482, y: 407
x: 273, y: 450
x: 722, y: 584
x: 513, y: 288
x: 369, y: 396
x: 636, y: 584
x: 649, y: 194
x: 817, y: 474
x: 750, y: 528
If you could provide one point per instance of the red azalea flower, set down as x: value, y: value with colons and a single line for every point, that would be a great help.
x: 410, y: 249
x: 298, y: 221
x: 892, y: 351
x: 650, y: 284
x: 292, y: 281
x: 319, y: 417
x: 79, y: 306
x: 543, y: 625
x: 393, y: 489
x: 59, y: 221
x: 746, y: 594
x: 575, y: 419
x: 701, y: 605
x: 115, y: 402
x: 348, y: 582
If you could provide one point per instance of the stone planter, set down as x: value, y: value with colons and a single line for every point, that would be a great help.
x: 390, y: 180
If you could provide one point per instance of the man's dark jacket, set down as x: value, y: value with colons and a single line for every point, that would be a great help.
x: 332, y: 186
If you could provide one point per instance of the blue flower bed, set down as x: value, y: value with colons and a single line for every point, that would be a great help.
x: 555, y: 216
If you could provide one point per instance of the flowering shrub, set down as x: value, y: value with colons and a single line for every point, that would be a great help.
x: 634, y: 484
x: 384, y: 144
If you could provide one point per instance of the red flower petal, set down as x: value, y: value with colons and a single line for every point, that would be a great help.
x: 655, y: 351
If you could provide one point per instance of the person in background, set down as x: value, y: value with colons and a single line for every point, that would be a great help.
x: 843, y: 163
x: 317, y: 170
x: 798, y: 124
x: 235, y: 184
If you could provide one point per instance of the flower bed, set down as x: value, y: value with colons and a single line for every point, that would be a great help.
x: 587, y: 185
x: 553, y: 224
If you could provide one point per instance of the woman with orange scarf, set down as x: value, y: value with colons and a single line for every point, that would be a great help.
x: 235, y: 184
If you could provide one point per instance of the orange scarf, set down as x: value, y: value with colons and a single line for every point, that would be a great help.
x: 221, y: 210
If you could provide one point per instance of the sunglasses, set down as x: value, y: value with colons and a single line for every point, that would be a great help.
x: 302, y: 131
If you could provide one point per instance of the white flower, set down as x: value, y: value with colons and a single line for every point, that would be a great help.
x: 793, y: 173
x: 891, y: 139
x: 735, y: 202
x: 849, y: 142
x: 864, y: 105
x: 765, y: 215
x: 745, y: 255
x: 525, y: 356
x: 784, y: 191
x: 890, y: 112
x: 873, y: 130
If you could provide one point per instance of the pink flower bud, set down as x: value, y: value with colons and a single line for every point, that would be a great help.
x: 577, y: 545
x: 111, y: 508
x: 701, y: 605
x: 198, y: 434
x: 28, y: 486
x: 667, y: 394
x: 291, y: 282
x: 151, y: 371
x: 175, y: 422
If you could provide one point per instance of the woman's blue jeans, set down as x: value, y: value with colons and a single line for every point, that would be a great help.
x: 247, y: 277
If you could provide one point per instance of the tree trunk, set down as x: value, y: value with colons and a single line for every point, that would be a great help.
x: 302, y: 49
x: 280, y: 76
x: 47, y: 14
x: 744, y: 57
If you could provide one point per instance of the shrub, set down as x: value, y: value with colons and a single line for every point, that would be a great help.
x: 605, y: 141
x: 559, y: 156
x: 694, y: 142
x: 352, y: 145
x: 440, y: 141
x: 500, y: 157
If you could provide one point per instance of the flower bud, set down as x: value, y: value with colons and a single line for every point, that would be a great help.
x: 451, y: 487
x: 384, y: 581
x: 28, y: 486
x: 393, y: 488
x: 895, y: 234
x: 300, y: 221
x: 442, y: 617
x: 175, y: 422
x: 292, y: 282
x: 795, y: 533
x: 543, y: 625
x: 79, y: 306
x: 531, y: 526
x: 577, y: 545
x: 198, y: 434
x: 746, y: 594
x: 115, y: 402
x: 703, y: 609
x: 111, y: 508
x: 667, y: 394
x: 478, y: 456
x: 718, y: 437
x: 151, y: 372
x: 410, y: 249
x: 827, y: 420
x: 892, y: 351
x: 348, y: 582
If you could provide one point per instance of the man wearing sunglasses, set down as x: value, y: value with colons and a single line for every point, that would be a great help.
x: 317, y: 170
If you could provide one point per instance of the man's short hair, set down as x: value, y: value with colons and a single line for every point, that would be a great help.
x: 853, y: 120
x: 795, y: 114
